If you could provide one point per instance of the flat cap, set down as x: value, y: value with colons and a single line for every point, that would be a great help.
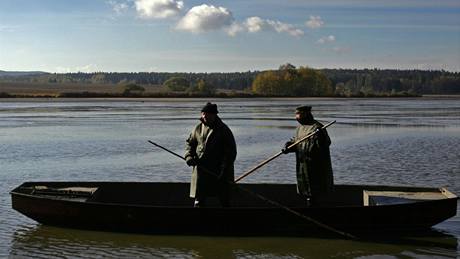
x: 303, y: 109
x: 210, y: 108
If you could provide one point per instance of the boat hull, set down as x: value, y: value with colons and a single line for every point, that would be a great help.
x: 177, y: 216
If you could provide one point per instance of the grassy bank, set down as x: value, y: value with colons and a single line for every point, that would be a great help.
x: 81, y: 90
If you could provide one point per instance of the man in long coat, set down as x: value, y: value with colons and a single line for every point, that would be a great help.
x: 211, y: 150
x: 313, y: 160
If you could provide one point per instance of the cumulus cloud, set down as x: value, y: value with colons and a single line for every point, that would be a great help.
x: 285, y: 27
x: 205, y: 18
x: 327, y: 39
x: 234, y: 29
x: 256, y: 24
x: 158, y: 9
x: 315, y: 22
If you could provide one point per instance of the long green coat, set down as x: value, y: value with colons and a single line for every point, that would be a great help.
x: 215, y: 149
x: 313, y: 161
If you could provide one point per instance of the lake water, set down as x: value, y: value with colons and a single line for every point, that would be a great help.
x: 413, y: 142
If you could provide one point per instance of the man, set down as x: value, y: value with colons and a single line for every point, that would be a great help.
x: 313, y: 160
x: 211, y: 150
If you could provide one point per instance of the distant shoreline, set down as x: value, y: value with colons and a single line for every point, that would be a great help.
x: 188, y: 96
x: 45, y: 93
x: 217, y: 99
x: 71, y: 90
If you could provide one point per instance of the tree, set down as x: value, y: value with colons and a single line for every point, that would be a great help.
x: 287, y: 66
x: 204, y: 87
x: 267, y: 83
x: 132, y: 89
x: 98, y: 78
x: 289, y: 81
x: 177, y: 84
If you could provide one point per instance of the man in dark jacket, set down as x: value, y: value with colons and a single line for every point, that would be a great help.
x: 211, y: 150
x: 313, y: 160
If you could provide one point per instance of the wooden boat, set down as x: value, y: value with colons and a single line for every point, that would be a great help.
x: 166, y: 208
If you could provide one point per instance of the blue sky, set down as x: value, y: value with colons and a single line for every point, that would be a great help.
x: 224, y: 36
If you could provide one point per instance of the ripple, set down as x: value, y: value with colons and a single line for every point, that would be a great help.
x: 375, y: 141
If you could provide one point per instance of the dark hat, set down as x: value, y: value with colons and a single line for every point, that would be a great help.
x: 303, y: 109
x: 210, y: 108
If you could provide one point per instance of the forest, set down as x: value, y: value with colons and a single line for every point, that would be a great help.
x: 287, y: 80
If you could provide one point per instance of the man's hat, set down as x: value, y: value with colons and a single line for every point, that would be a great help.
x: 210, y: 108
x: 303, y: 109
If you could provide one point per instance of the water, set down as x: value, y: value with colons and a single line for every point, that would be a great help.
x: 412, y: 142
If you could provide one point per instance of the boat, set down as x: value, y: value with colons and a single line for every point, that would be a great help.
x: 256, y: 209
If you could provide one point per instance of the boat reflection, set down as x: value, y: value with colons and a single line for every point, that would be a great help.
x: 41, y: 241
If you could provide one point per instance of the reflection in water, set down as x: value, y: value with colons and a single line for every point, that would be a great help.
x: 51, y: 242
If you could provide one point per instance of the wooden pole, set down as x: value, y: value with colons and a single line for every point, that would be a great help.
x: 167, y: 150
x: 281, y: 152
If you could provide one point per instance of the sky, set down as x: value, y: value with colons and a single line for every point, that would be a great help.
x: 62, y: 36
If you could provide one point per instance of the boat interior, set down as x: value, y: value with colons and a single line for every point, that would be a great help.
x: 244, y: 195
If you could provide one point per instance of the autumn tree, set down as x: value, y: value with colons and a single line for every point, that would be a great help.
x: 267, y: 83
x: 289, y: 81
x: 202, y: 87
x: 177, y: 83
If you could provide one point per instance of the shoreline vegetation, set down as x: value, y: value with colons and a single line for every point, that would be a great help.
x: 182, y: 95
x: 286, y: 81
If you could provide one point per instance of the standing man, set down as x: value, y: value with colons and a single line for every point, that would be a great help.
x: 313, y: 160
x: 211, y: 150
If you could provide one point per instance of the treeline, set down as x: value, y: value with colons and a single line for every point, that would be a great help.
x: 236, y: 80
x: 285, y: 81
x: 291, y: 81
x: 375, y: 81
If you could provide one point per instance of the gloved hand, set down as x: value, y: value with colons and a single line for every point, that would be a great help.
x: 285, y: 150
x: 191, y: 161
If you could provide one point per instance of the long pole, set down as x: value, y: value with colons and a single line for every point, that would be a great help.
x: 281, y: 152
x: 181, y: 157
x: 268, y: 200
x: 167, y: 150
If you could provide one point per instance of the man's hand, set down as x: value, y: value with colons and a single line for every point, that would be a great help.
x: 286, y: 150
x: 191, y: 161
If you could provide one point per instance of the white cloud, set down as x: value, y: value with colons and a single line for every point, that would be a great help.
x: 158, y: 9
x: 205, y: 18
x: 234, y: 29
x: 327, y: 39
x: 285, y: 27
x: 315, y: 22
x: 256, y: 24
x: 118, y: 8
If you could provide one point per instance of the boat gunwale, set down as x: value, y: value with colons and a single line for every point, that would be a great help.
x: 441, y: 190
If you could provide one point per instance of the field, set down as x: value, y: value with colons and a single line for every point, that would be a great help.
x: 55, y: 90
x: 82, y: 90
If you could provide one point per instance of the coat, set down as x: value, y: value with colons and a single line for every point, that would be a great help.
x: 215, y: 149
x: 313, y: 161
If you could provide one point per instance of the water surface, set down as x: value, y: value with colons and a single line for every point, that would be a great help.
x: 411, y: 142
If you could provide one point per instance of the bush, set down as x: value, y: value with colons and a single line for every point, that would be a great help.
x: 178, y: 84
x: 132, y: 90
